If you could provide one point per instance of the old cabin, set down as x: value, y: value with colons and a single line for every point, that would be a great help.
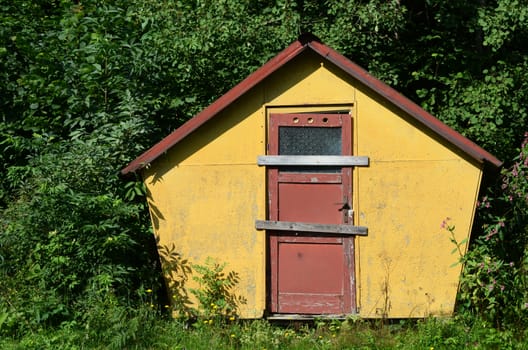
x: 323, y: 187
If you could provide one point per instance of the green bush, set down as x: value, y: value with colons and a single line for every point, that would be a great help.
x: 70, y: 234
x: 86, y: 86
x: 216, y: 292
x: 494, y: 284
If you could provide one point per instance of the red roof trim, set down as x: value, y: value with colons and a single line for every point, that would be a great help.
x: 221, y: 103
x: 409, y: 107
x: 342, y: 62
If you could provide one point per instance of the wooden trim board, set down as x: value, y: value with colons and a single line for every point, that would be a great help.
x: 345, y: 161
x: 310, y: 227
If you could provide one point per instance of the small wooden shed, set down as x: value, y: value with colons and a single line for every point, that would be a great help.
x: 323, y: 187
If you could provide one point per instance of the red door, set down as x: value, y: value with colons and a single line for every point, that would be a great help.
x: 311, y: 272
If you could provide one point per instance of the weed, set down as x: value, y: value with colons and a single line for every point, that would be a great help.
x: 216, y: 292
x: 494, y: 282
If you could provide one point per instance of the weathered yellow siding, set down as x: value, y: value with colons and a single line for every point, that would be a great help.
x: 412, y: 184
x: 307, y: 82
x: 207, y: 191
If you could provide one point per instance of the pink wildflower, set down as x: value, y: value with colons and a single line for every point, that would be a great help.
x: 515, y: 170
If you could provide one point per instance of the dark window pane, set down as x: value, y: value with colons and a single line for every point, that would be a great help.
x: 309, y: 141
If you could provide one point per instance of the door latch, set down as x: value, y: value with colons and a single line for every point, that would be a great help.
x: 348, y: 213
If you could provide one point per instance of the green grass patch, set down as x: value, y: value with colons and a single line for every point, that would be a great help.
x: 148, y: 330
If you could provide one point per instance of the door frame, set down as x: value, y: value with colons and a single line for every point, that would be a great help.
x: 274, y: 177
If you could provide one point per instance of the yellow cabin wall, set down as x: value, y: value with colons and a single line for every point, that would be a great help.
x: 207, y: 191
x: 412, y: 184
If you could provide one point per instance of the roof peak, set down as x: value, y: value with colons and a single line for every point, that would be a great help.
x: 308, y: 37
x: 305, y: 41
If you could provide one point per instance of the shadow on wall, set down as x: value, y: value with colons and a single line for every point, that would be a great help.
x: 176, y: 272
x: 216, y: 289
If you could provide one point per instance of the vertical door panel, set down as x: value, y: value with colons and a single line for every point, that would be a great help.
x: 316, y: 203
x: 310, y: 273
x: 311, y: 277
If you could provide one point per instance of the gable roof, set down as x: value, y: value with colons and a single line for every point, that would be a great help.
x: 310, y: 42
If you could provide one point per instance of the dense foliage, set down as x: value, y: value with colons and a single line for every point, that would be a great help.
x: 495, y: 279
x: 85, y: 86
x: 145, y: 330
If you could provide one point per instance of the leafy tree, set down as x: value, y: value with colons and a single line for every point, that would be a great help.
x: 495, y: 279
x: 88, y: 86
x: 85, y: 86
x: 458, y: 74
x: 72, y: 233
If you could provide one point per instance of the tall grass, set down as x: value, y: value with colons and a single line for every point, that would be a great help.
x: 122, y: 328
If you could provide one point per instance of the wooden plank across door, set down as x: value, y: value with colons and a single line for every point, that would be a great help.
x: 347, y: 161
x: 310, y: 227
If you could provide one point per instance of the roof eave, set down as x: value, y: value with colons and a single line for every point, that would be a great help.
x: 412, y: 109
x: 220, y: 104
x: 304, y: 42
